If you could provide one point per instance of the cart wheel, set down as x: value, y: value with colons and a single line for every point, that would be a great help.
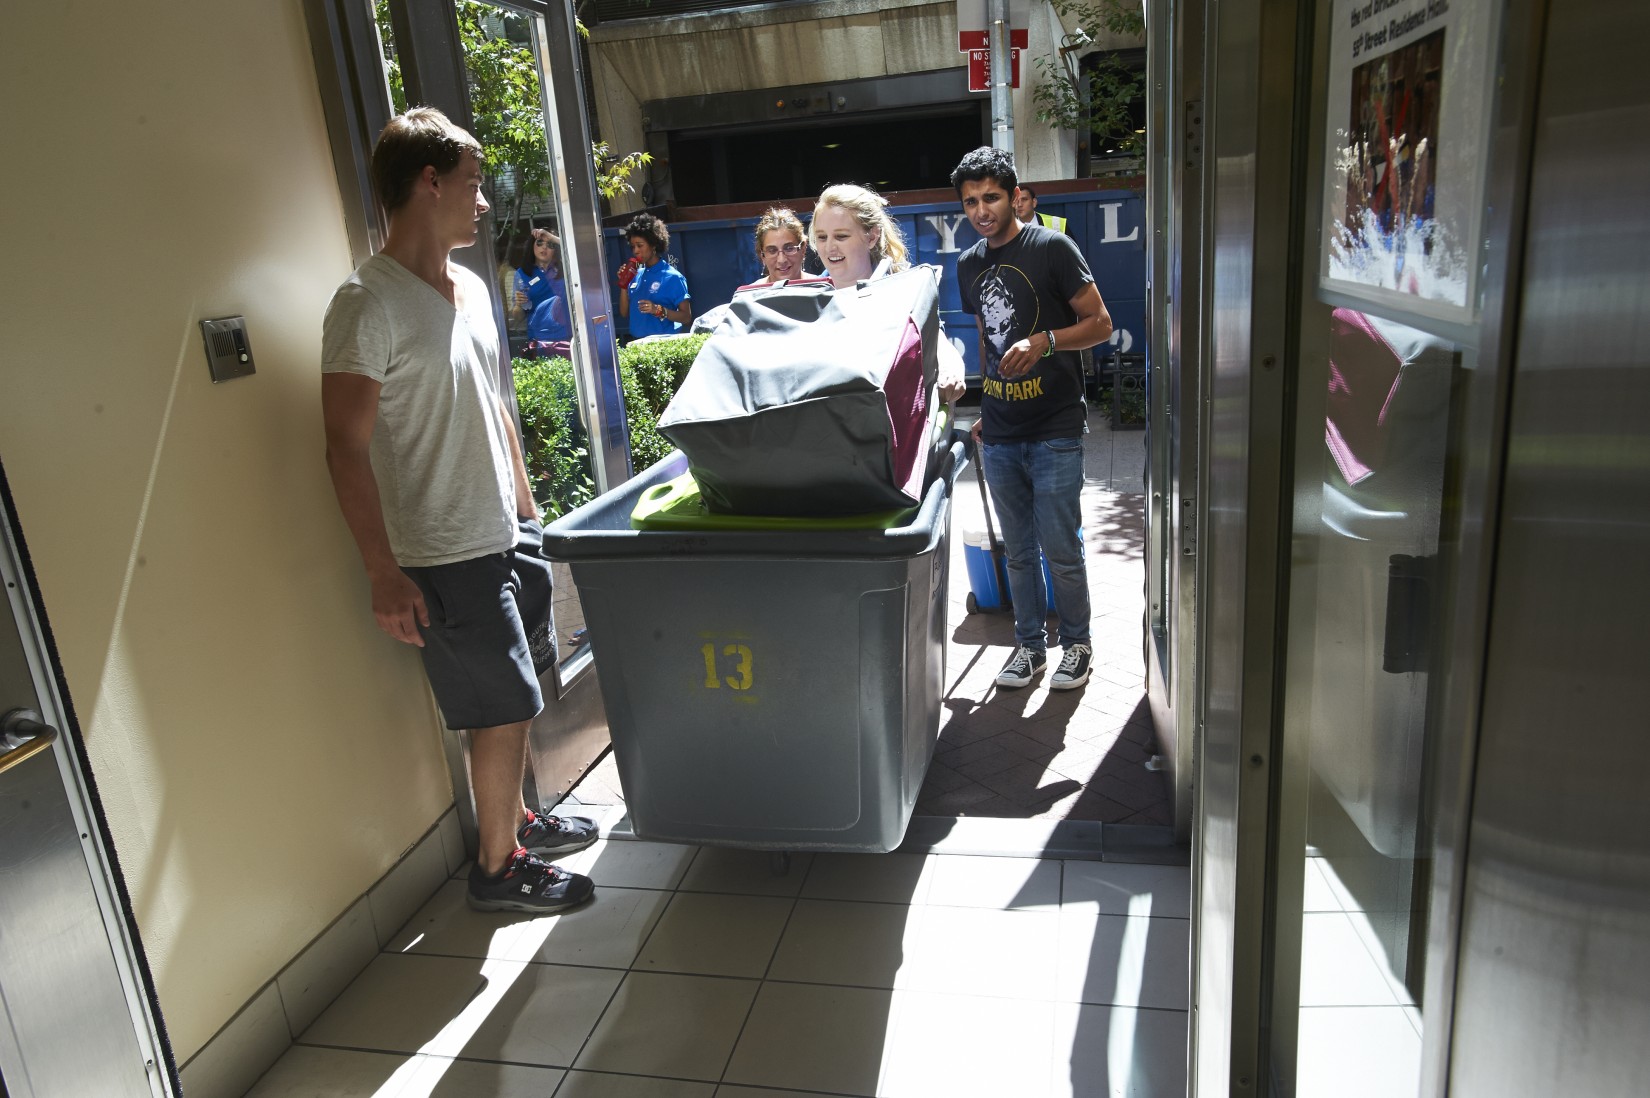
x: 972, y: 603
x: 779, y: 862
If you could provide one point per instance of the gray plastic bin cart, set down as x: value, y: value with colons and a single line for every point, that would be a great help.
x: 774, y: 689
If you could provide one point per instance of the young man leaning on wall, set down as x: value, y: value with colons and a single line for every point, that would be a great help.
x: 429, y: 474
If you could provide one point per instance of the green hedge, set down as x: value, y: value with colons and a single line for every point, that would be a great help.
x: 554, y: 437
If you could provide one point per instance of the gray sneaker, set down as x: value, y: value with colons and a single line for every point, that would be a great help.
x: 552, y: 836
x: 1074, y: 668
x: 1023, y: 666
x: 528, y: 884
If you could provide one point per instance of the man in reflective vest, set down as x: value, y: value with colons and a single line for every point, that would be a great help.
x: 1025, y: 209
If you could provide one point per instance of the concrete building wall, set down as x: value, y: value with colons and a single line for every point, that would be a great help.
x: 263, y: 752
x: 635, y: 61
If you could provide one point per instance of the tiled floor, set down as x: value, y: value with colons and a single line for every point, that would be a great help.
x: 1037, y: 753
x: 1360, y: 1029
x: 696, y: 973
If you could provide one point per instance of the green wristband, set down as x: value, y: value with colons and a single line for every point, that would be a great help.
x: 1049, y: 335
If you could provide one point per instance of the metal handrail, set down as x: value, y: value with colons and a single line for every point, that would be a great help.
x: 24, y: 722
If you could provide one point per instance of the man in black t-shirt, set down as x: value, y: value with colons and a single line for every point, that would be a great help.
x: 1038, y: 306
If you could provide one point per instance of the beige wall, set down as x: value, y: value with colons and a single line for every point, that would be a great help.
x: 264, y: 754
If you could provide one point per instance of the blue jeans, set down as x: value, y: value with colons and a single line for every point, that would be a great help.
x: 1037, y: 490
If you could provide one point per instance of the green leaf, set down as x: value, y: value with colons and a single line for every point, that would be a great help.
x: 553, y: 436
x: 507, y: 104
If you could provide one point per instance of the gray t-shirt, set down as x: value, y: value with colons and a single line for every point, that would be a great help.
x: 439, y: 450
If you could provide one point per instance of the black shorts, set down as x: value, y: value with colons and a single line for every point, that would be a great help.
x: 489, y: 636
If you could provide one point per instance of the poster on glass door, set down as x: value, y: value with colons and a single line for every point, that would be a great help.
x: 1408, y: 123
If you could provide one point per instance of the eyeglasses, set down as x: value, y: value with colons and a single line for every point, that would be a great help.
x: 773, y: 250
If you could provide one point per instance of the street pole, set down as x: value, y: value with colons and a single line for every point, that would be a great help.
x: 1002, y: 76
x: 1080, y: 81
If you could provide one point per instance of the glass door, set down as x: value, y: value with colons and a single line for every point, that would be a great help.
x: 1391, y: 342
x: 510, y: 73
x: 526, y: 254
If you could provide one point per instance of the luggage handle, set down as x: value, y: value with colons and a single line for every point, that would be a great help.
x: 867, y: 285
x: 999, y: 559
x: 783, y: 284
x: 985, y: 501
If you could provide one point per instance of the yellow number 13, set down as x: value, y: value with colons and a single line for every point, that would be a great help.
x: 740, y: 680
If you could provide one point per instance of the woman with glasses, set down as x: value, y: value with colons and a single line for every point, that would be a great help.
x: 780, y: 246
x: 541, y: 293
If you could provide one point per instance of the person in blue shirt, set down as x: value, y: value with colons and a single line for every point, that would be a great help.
x: 538, y: 277
x: 657, y: 289
x: 547, y: 324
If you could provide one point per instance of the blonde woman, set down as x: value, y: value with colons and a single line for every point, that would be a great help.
x: 857, y: 241
x: 854, y: 236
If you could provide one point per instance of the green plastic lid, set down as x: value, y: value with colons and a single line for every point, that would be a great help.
x: 677, y: 505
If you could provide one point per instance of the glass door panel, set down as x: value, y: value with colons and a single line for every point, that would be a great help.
x: 532, y: 282
x: 1387, y: 344
x: 501, y: 47
x: 1369, y: 499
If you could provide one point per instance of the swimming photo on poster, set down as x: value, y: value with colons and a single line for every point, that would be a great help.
x: 1390, y: 234
x: 1405, y: 149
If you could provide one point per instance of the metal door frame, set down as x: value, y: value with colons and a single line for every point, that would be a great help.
x: 1241, y: 260
x: 67, y: 747
x: 1260, y: 98
x: 1176, y: 211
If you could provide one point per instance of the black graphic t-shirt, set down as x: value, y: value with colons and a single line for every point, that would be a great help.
x: 1023, y: 287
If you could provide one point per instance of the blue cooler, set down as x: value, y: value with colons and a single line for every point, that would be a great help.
x: 988, y: 586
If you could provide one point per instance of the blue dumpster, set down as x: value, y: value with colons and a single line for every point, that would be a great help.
x: 717, y: 257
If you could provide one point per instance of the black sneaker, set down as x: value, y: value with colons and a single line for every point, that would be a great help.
x: 1074, y: 668
x: 528, y: 884
x: 1025, y: 665
x: 552, y: 836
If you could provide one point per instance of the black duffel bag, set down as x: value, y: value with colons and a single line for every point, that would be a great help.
x: 810, y: 400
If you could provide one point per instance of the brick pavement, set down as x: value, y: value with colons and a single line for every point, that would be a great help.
x: 1037, y: 753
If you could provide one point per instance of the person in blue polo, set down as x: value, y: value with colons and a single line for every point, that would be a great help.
x: 656, y: 289
x: 541, y: 292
